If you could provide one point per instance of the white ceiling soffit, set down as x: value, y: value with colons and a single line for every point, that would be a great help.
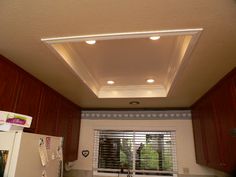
x: 128, y: 59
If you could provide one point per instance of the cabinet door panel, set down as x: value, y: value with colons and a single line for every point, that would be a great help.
x: 62, y: 127
x: 212, y: 141
x: 74, y: 129
x: 28, y: 101
x: 217, y: 111
x: 225, y: 112
x: 9, y: 77
x: 68, y: 127
x: 47, y: 122
x: 199, y: 136
x: 73, y: 134
x: 233, y: 132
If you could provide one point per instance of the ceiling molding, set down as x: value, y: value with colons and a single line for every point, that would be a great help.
x: 124, y: 35
x: 184, y: 39
x: 132, y: 91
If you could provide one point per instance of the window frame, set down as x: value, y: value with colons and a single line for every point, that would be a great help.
x: 174, y: 155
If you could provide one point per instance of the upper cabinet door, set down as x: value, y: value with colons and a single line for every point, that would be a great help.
x: 62, y: 125
x: 73, y: 133
x: 223, y: 99
x: 217, y: 113
x: 47, y: 120
x: 29, y: 98
x: 210, y: 132
x: 233, y: 87
x: 9, y: 77
x: 199, y: 135
x: 69, y: 128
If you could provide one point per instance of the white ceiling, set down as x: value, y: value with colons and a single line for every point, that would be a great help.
x: 24, y: 23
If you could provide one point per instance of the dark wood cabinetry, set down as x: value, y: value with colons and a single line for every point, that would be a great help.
x: 8, y: 88
x: 63, y: 125
x: 199, y: 135
x: 209, y: 129
x: 68, y: 127
x: 73, y: 139
x: 48, y: 114
x: 52, y: 113
x: 29, y: 98
x: 225, y: 114
x: 214, y: 118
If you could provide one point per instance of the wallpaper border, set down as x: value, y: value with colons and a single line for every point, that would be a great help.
x: 137, y: 115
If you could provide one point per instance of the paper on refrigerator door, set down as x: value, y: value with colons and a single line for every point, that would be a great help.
x: 15, y: 119
x: 43, y: 152
x: 59, y: 152
x: 60, y: 172
x: 44, y: 173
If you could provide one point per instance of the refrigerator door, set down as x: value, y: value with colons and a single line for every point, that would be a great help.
x: 29, y: 161
x: 8, y: 153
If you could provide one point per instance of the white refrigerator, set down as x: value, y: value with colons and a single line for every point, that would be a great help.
x: 30, y: 155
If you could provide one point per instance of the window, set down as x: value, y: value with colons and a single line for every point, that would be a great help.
x: 135, y: 152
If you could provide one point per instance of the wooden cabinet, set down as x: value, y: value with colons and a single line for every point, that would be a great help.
x: 199, y: 135
x: 52, y: 113
x: 63, y: 126
x: 29, y: 98
x: 214, y: 118
x: 225, y: 112
x: 60, y: 117
x: 212, y: 140
x: 48, y: 113
x: 9, y: 78
x: 69, y: 127
x: 73, y: 135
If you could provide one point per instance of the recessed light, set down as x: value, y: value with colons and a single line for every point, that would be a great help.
x: 91, y: 42
x: 110, y: 82
x: 134, y: 102
x: 150, y: 81
x: 154, y: 38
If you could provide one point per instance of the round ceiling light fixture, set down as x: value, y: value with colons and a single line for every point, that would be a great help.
x: 154, y: 38
x: 91, y: 42
x: 134, y: 102
x: 150, y: 81
x: 110, y: 82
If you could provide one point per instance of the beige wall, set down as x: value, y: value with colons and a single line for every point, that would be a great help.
x: 184, y: 139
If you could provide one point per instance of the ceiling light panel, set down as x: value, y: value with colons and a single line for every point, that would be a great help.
x: 128, y: 58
